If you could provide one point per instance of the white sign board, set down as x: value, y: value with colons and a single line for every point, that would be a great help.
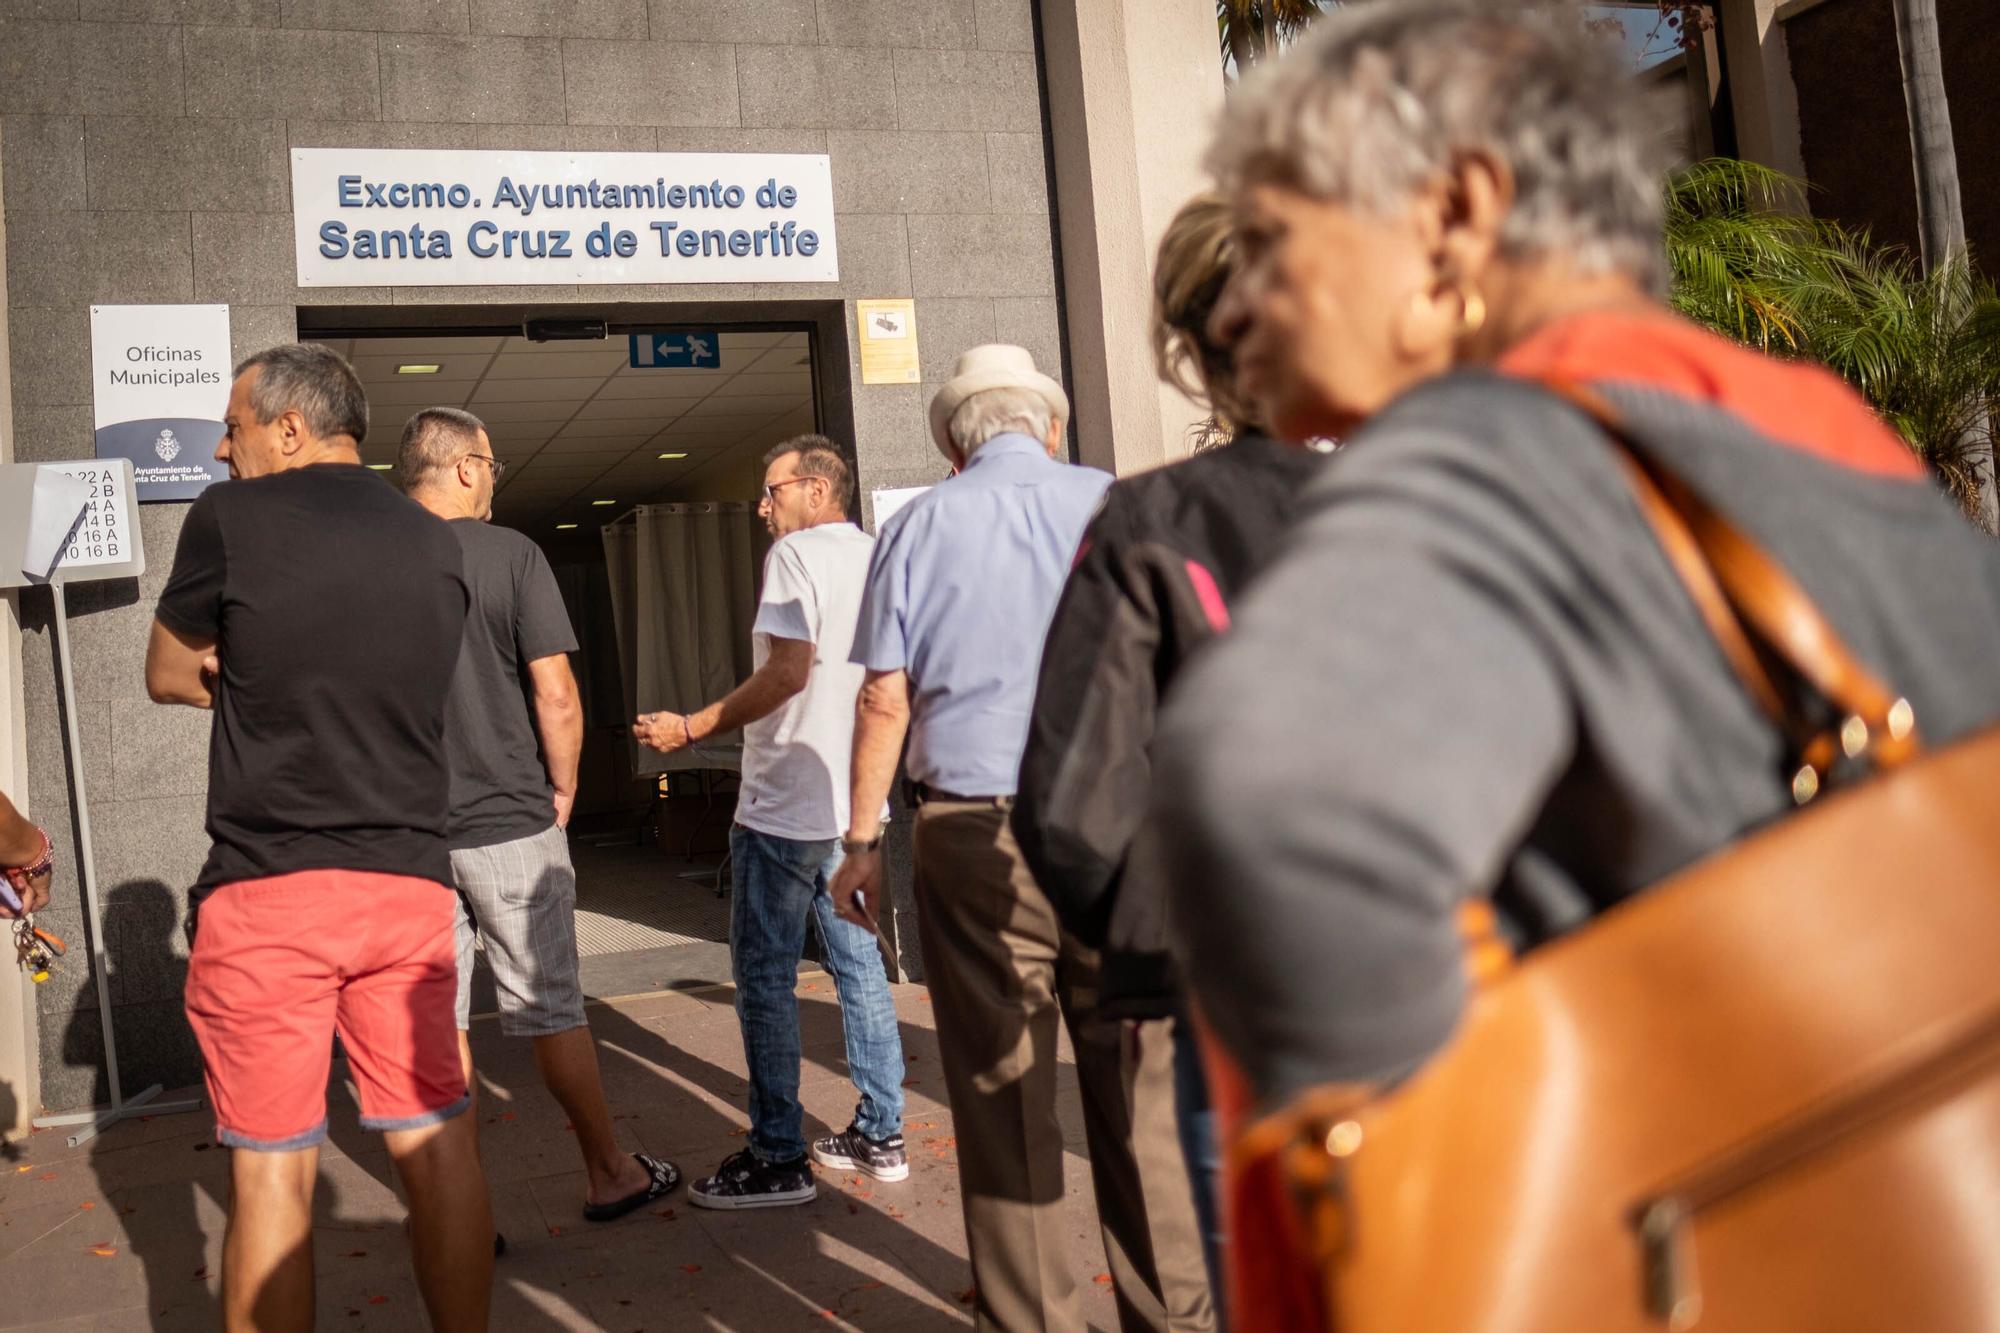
x: 394, y: 217
x: 160, y: 382
x: 888, y: 501
x: 41, y: 501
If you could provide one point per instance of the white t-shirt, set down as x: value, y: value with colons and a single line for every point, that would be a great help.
x: 795, y: 761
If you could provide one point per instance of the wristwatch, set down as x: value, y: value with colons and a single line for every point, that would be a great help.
x: 849, y: 847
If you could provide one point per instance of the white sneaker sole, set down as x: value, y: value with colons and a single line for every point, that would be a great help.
x: 841, y: 1162
x: 781, y: 1199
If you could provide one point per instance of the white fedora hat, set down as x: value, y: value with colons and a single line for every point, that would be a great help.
x: 991, y: 366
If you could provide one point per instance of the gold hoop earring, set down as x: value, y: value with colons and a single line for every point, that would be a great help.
x: 1473, y: 317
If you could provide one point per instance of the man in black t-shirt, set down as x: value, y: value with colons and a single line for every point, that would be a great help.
x: 513, y: 779
x: 318, y: 613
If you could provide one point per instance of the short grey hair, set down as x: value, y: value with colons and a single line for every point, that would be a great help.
x: 819, y: 457
x: 993, y: 412
x: 434, y: 440
x: 1381, y: 98
x: 312, y: 380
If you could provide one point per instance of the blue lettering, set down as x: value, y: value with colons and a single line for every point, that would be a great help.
x: 733, y: 196
x: 677, y: 196
x: 559, y: 245
x: 350, y: 192
x: 787, y: 196
x: 333, y: 240
x: 490, y: 229
x: 666, y: 236
x: 505, y: 193
x: 688, y: 244
x: 739, y: 243
x: 399, y: 195
x: 458, y: 196
x: 808, y: 243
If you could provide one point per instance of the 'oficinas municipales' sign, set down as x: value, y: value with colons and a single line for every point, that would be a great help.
x: 436, y: 218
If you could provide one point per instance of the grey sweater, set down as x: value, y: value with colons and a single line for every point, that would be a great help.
x: 1472, y: 671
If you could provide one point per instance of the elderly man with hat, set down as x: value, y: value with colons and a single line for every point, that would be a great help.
x: 962, y: 587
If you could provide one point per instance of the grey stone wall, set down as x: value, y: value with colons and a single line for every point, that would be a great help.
x: 145, y: 160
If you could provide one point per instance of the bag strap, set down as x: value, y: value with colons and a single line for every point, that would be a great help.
x: 1747, y: 599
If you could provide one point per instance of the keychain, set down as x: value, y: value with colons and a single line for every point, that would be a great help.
x: 37, y: 949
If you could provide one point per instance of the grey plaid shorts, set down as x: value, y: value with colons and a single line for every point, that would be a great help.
x: 521, y: 896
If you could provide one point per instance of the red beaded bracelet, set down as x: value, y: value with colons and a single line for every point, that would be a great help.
x: 38, y: 867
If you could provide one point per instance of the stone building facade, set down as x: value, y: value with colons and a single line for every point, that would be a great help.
x: 1005, y: 163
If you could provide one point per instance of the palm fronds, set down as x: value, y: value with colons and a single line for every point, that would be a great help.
x: 1249, y: 30
x: 1923, y: 348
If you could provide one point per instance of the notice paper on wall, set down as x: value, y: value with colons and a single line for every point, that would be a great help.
x: 887, y: 502
x: 888, y: 341
x: 160, y: 384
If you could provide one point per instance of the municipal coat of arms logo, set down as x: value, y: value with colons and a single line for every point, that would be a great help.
x: 167, y: 447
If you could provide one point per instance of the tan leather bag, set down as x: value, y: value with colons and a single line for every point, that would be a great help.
x: 1762, y: 1097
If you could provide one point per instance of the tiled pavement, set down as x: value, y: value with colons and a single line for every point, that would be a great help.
x: 125, y: 1232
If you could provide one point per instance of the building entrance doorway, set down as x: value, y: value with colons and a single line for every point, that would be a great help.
x: 643, y: 439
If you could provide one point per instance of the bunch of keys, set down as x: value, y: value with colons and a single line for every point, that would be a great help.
x: 37, y: 949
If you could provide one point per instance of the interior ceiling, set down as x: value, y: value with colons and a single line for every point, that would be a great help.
x: 576, y: 424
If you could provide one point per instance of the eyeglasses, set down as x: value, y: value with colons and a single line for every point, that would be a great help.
x: 499, y: 468
x: 777, y: 485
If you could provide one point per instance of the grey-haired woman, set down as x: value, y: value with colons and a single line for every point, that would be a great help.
x: 1472, y: 672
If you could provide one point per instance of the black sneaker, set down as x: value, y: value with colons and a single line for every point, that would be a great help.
x: 851, y: 1150
x: 742, y: 1181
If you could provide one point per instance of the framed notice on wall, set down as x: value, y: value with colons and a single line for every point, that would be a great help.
x: 160, y: 382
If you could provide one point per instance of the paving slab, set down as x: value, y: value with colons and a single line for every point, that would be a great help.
x: 125, y: 1232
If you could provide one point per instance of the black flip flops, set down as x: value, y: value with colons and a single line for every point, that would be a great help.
x: 665, y: 1176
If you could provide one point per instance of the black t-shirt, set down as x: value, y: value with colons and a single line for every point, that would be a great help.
x: 337, y: 606
x: 499, y: 786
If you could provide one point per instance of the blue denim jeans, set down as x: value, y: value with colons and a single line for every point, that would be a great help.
x: 1204, y: 1155
x: 779, y: 883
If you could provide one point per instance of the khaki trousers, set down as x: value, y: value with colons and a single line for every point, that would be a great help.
x: 999, y: 966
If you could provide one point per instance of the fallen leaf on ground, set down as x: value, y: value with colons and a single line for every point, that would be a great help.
x: 201, y: 1273
x: 46, y: 1175
x: 1105, y: 1278
x: 853, y: 1207
x: 690, y: 1268
x: 104, y: 1249
x: 967, y: 1296
x: 555, y: 1231
x: 86, y: 1205
x: 378, y: 1300
x: 910, y: 1082
x: 355, y: 1254
x: 23, y: 1170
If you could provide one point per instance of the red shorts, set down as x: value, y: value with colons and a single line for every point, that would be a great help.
x: 280, y: 963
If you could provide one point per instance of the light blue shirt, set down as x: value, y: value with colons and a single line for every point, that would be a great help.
x: 960, y: 594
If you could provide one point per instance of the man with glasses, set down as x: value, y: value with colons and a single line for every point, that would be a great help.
x: 510, y: 804
x: 797, y: 715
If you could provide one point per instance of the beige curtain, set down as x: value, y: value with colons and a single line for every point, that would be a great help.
x: 684, y: 595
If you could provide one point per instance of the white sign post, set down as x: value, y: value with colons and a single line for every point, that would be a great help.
x: 160, y: 380
x: 78, y: 523
x: 387, y: 217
